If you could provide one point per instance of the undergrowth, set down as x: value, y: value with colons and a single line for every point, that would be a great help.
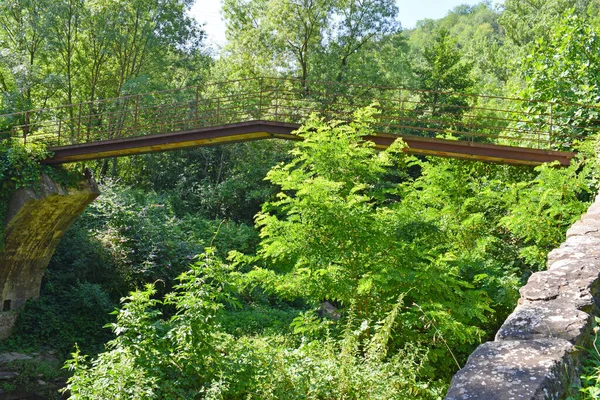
x: 590, y: 377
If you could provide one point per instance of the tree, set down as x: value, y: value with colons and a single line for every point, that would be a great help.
x: 307, y: 39
x: 361, y: 23
x: 24, y: 29
x: 329, y: 213
x: 444, y: 78
x: 339, y: 233
x: 481, y: 39
x: 82, y: 50
x: 564, y: 70
x: 304, y: 21
x: 526, y: 21
x: 65, y: 18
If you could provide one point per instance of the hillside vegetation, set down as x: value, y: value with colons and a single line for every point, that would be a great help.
x: 322, y: 269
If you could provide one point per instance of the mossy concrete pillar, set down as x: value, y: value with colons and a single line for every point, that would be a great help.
x: 35, y: 222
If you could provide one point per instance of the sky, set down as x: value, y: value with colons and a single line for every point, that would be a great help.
x: 411, y: 11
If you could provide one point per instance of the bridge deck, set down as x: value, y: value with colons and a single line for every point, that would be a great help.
x: 258, y: 130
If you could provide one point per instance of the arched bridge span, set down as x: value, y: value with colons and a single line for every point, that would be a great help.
x: 486, y: 128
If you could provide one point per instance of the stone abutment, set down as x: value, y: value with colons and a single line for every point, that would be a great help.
x: 35, y: 222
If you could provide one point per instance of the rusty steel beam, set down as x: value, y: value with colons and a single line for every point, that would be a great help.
x: 475, y: 151
x: 258, y: 130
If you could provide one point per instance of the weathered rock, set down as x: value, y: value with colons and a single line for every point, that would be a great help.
x: 594, y: 208
x: 539, y: 320
x: 572, y: 281
x: 542, y: 286
x: 587, y: 228
x: 8, y: 376
x: 565, y: 254
x: 582, y: 242
x: 48, y: 357
x: 577, y: 247
x: 329, y: 310
x: 35, y: 223
x: 516, y: 369
x: 6, y: 358
x: 595, y: 218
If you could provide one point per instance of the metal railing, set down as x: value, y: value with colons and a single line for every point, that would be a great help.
x: 478, y: 118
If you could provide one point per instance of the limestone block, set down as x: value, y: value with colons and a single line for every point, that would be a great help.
x: 573, y: 281
x: 563, y: 253
x: 516, y: 369
x: 594, y: 208
x: 547, y: 319
x: 587, y: 227
x: 542, y: 286
x: 591, y: 218
x: 6, y: 358
x: 533, y: 354
x: 577, y: 247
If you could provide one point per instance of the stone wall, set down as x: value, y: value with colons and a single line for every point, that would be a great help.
x: 536, y: 353
x: 34, y: 225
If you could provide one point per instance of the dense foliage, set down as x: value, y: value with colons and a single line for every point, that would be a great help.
x: 63, y: 52
x: 327, y: 269
x: 352, y: 227
x: 188, y: 356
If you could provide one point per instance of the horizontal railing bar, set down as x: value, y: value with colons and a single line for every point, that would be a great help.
x: 385, y: 88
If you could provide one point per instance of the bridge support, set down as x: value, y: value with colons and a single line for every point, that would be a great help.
x: 35, y: 223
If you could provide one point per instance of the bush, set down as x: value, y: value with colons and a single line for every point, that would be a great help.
x: 58, y: 319
x: 189, y: 356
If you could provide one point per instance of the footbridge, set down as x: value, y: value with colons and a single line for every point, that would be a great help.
x: 466, y: 126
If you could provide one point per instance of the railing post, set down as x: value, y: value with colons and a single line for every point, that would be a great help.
x: 277, y: 103
x: 79, y: 122
x: 218, y: 110
x: 540, y: 117
x: 59, y: 128
x: 551, y: 126
x: 137, y: 110
x: 197, y: 107
x: 401, y: 104
x: 26, y: 128
x: 260, y: 99
x: 539, y: 134
x: 88, y: 125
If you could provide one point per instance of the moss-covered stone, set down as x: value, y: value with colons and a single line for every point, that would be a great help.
x: 35, y: 222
